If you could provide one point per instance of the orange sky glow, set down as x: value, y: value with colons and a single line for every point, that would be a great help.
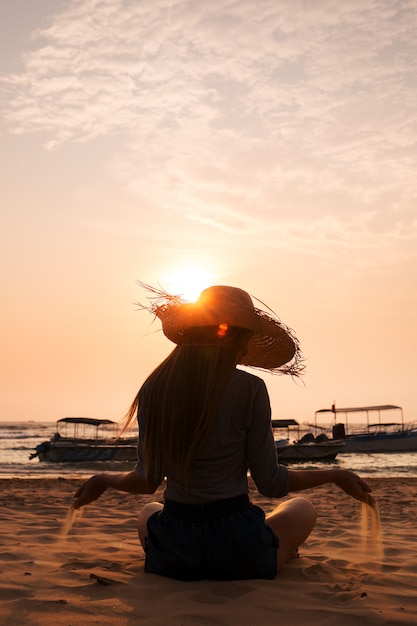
x: 266, y: 145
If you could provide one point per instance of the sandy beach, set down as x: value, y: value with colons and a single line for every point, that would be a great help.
x: 94, y: 573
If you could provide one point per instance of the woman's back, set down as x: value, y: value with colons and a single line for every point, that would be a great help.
x: 242, y: 428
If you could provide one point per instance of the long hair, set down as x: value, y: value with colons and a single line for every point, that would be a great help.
x: 181, y: 398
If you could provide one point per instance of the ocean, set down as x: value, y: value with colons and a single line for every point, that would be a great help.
x: 19, y: 440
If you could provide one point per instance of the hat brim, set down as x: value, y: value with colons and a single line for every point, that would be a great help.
x: 271, y: 346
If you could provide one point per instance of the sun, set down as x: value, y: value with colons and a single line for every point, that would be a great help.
x: 188, y: 281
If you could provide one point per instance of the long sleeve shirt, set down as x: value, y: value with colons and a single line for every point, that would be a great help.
x: 242, y: 440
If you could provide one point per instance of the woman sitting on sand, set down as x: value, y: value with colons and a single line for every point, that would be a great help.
x: 202, y: 424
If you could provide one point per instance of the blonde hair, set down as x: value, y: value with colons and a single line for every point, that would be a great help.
x: 180, y: 398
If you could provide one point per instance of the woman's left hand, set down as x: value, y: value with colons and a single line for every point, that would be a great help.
x: 91, y: 490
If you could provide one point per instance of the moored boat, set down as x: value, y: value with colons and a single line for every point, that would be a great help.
x: 375, y: 436
x: 85, y: 439
x: 306, y: 448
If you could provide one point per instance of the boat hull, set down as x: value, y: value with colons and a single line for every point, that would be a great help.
x: 326, y: 451
x: 403, y: 441
x: 80, y: 453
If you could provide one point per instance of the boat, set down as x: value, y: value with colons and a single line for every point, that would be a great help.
x: 377, y: 435
x: 85, y: 439
x: 306, y: 448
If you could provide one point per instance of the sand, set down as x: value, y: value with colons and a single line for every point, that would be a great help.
x: 94, y: 573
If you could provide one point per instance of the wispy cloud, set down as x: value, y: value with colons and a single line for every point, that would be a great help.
x: 239, y: 115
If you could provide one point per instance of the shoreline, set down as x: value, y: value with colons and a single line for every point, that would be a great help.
x: 94, y: 574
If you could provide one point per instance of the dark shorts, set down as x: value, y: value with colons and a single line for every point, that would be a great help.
x: 223, y: 540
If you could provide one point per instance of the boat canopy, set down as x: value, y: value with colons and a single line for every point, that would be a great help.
x: 363, y: 409
x: 84, y: 420
x: 283, y: 423
x: 357, y: 409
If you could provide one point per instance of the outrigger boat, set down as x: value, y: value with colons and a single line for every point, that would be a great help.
x: 84, y: 439
x: 376, y: 436
x: 306, y: 448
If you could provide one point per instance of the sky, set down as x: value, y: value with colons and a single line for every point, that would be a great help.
x: 268, y: 145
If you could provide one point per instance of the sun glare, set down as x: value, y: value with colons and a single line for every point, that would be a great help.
x: 188, y: 281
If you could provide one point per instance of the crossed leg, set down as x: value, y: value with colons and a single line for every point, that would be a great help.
x: 143, y: 517
x: 292, y: 521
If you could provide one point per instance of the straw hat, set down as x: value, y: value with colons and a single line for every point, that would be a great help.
x: 273, y: 346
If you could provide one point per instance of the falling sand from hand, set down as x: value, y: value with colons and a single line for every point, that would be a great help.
x: 371, y: 530
x: 69, y: 521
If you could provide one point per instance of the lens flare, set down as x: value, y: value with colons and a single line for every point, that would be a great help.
x: 222, y: 330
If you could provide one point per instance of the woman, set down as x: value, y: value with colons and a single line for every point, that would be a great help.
x: 203, y: 424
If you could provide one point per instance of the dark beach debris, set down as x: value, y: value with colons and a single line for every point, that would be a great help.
x: 102, y: 580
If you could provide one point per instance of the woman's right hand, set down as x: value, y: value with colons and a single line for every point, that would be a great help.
x: 348, y: 481
x: 354, y: 486
x: 91, y: 490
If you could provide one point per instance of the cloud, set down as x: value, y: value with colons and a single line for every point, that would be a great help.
x: 108, y: 65
x: 237, y: 115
